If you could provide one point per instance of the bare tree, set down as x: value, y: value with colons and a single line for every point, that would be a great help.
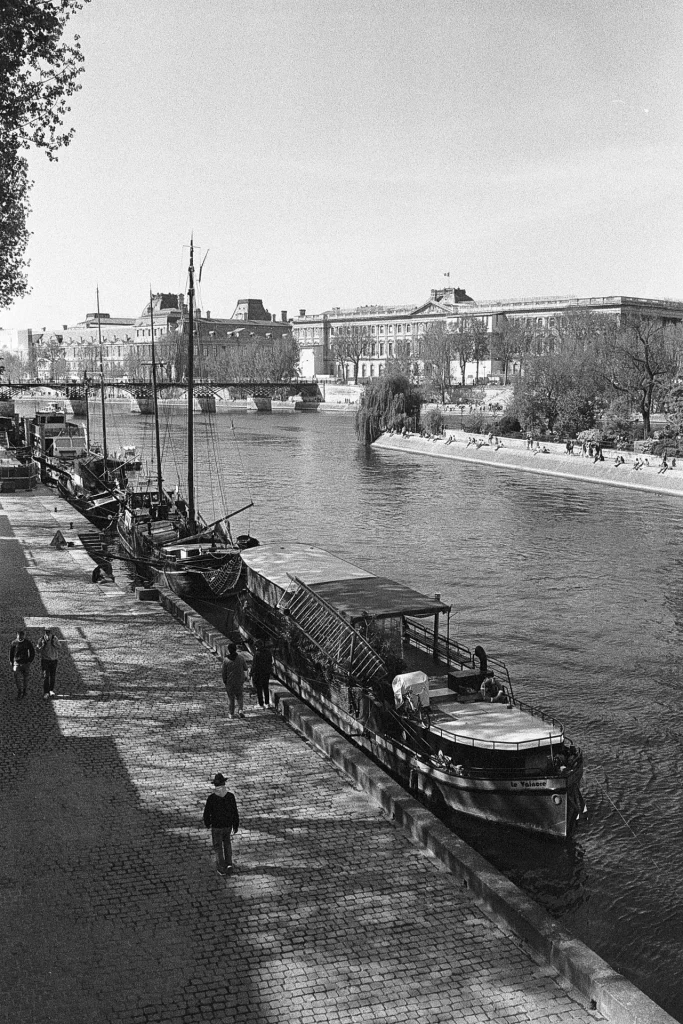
x: 350, y: 344
x: 480, y: 343
x: 507, y: 342
x: 436, y: 350
x: 641, y: 360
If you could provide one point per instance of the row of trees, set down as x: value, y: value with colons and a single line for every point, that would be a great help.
x: 588, y: 370
x: 431, y: 355
x: 260, y: 360
x: 594, y: 369
x: 257, y: 360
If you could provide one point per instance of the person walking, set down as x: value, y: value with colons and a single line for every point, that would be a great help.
x: 21, y: 654
x: 48, y: 645
x: 261, y: 668
x: 234, y: 672
x: 222, y: 817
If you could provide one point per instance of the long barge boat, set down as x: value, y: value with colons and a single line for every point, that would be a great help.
x: 369, y: 654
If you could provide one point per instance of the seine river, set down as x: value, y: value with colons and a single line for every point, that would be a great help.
x: 578, y: 588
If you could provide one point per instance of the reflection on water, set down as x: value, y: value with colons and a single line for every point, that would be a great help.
x: 578, y: 588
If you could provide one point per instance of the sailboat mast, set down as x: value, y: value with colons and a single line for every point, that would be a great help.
x: 190, y: 390
x: 87, y: 412
x: 104, y: 421
x: 155, y: 405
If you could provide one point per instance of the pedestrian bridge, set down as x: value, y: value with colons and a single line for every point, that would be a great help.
x: 142, y: 389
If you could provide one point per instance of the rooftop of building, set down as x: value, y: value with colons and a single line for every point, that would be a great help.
x: 441, y: 298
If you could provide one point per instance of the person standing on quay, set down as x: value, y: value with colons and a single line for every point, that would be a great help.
x: 233, y: 672
x: 222, y: 817
x: 21, y: 654
x: 48, y: 645
x: 261, y: 668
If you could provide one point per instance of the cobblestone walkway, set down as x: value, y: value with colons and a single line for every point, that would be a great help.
x: 110, y: 908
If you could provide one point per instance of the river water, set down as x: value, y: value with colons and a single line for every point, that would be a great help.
x: 577, y: 587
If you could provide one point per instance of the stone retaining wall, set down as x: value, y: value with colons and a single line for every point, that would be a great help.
x: 515, y: 455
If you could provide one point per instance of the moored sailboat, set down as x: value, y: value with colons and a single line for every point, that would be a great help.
x: 163, y: 532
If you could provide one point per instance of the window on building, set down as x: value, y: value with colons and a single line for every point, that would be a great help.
x: 381, y: 329
x: 372, y: 369
x: 373, y: 349
x: 374, y: 329
x: 399, y: 328
x: 408, y: 328
x: 391, y: 348
x: 391, y: 328
x: 365, y: 371
x: 380, y: 371
x: 381, y: 348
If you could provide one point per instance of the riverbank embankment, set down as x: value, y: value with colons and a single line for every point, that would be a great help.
x: 113, y: 909
x: 514, y: 454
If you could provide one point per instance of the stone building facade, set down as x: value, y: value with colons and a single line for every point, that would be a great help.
x: 386, y: 328
x: 214, y: 336
x: 72, y: 352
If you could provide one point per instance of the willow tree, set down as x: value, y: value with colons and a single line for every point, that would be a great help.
x: 387, y: 403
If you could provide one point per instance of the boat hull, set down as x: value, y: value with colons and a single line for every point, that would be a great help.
x: 548, y: 805
x: 205, y: 582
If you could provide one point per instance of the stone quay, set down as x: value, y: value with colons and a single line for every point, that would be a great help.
x: 349, y: 903
x: 554, y: 461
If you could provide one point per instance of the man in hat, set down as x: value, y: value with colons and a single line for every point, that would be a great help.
x: 21, y: 654
x: 233, y: 671
x: 222, y: 817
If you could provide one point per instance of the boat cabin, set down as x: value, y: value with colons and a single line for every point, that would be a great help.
x: 369, y: 604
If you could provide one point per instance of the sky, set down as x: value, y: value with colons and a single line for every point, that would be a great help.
x: 339, y: 154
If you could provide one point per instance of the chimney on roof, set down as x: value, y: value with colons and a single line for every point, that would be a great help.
x: 208, y: 314
x: 273, y: 318
x: 198, y: 313
x: 283, y: 315
x: 181, y: 300
x: 64, y: 327
x: 302, y: 312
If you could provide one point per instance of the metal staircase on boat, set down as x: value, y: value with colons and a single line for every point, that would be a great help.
x: 332, y: 634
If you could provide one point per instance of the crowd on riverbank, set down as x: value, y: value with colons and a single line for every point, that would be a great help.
x: 619, y: 468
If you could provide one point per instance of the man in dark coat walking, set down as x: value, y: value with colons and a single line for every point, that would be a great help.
x: 21, y: 654
x: 222, y: 817
x: 261, y: 668
x: 233, y: 671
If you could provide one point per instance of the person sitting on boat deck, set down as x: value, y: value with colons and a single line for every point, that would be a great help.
x: 492, y: 692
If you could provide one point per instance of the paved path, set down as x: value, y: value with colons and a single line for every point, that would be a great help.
x: 110, y: 909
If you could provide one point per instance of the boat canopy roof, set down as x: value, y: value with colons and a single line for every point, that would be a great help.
x: 353, y: 592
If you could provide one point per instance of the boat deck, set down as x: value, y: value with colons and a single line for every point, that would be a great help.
x: 494, y: 726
